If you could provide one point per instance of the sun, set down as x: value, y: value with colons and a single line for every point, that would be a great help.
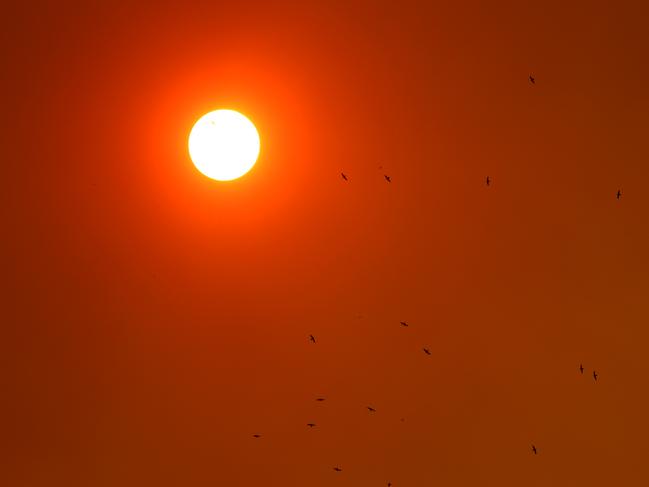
x: 223, y: 145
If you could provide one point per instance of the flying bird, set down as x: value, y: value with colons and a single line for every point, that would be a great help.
x: 338, y: 469
x: 312, y: 338
x: 618, y: 195
x: 488, y: 180
x: 343, y: 176
x: 256, y: 436
x: 320, y: 399
x: 311, y: 425
x: 534, y: 449
x: 532, y: 79
x: 403, y: 323
x: 581, y: 368
x: 371, y: 409
x: 595, y: 375
x: 387, y: 178
x: 426, y: 351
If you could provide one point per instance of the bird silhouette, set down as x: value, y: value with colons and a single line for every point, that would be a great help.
x: 581, y: 368
x: 534, y: 449
x: 338, y: 469
x: 320, y: 399
x: 371, y: 409
x: 532, y: 80
x: 426, y: 351
x: 311, y: 425
x: 595, y: 375
x: 488, y: 180
x: 256, y: 436
x: 344, y: 176
x: 312, y: 338
x: 389, y: 484
x: 387, y: 178
x: 403, y: 323
x: 618, y: 195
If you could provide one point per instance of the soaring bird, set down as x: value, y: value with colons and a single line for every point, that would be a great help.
x: 581, y: 368
x: 595, y: 375
x: 426, y: 351
x: 371, y: 409
x: 534, y: 449
x: 488, y: 181
x: 343, y: 176
x: 338, y: 469
x: 312, y: 338
x: 532, y: 79
x: 320, y: 399
x: 387, y: 178
x: 403, y: 323
x: 256, y: 436
x: 618, y: 195
x: 311, y: 425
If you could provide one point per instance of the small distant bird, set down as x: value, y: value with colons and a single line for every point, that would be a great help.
x: 338, y: 469
x: 532, y: 80
x: 312, y: 338
x: 311, y: 425
x: 389, y: 484
x: 320, y: 399
x: 387, y: 178
x: 488, y: 180
x: 581, y: 368
x: 618, y: 195
x: 371, y: 409
x: 534, y: 449
x: 403, y: 323
x: 256, y: 436
x: 595, y: 375
x: 343, y: 176
x: 426, y: 351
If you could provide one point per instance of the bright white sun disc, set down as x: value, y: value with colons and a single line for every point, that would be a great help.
x: 223, y: 145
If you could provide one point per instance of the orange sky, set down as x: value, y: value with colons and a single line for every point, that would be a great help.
x: 153, y: 319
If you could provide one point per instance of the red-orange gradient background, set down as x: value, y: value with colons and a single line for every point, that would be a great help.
x: 153, y: 320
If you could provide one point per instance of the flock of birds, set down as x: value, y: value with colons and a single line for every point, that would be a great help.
x: 404, y: 324
x: 371, y: 409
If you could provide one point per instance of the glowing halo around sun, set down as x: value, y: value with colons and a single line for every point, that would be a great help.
x: 223, y: 145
